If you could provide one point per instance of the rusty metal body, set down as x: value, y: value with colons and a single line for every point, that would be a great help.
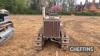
x: 53, y: 30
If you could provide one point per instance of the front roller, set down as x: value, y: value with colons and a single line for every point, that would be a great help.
x: 6, y: 34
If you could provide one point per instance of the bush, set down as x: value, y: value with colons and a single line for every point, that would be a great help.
x: 87, y: 14
x: 65, y: 13
x: 30, y: 11
x: 27, y: 11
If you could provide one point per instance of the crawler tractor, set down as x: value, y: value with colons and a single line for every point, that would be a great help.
x: 52, y: 30
x: 6, y: 26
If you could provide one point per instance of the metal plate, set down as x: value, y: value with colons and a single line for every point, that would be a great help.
x: 52, y: 28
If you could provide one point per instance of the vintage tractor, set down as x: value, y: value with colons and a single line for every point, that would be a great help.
x: 52, y: 30
x: 6, y: 26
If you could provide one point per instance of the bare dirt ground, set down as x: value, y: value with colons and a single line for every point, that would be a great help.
x: 83, y: 31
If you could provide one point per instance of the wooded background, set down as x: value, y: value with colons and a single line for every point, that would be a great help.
x: 32, y: 6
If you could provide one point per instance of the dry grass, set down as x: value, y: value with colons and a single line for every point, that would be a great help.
x: 82, y: 31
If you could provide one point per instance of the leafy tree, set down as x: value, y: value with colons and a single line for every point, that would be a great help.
x: 71, y: 6
x: 34, y: 4
x: 7, y: 4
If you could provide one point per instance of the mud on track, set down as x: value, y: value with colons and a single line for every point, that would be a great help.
x: 82, y: 31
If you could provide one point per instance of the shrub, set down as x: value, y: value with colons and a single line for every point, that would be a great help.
x: 87, y: 14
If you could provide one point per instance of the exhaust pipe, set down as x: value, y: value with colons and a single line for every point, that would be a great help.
x: 43, y: 12
x: 5, y: 35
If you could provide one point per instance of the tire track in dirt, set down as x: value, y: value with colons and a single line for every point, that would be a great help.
x: 78, y: 29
